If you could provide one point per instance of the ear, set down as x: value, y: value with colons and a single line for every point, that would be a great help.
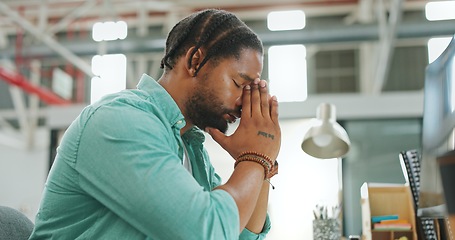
x: 193, y: 60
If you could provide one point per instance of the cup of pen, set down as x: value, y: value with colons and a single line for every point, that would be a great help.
x: 326, y: 227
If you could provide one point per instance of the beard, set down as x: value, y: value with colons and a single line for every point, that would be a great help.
x: 204, y: 109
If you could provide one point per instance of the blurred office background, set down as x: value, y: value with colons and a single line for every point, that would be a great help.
x: 367, y: 57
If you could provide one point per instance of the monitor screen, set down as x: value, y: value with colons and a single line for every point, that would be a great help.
x: 438, y: 131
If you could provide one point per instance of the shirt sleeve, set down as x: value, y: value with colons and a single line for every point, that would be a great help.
x: 248, y: 235
x: 127, y: 160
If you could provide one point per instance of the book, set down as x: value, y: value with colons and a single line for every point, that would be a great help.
x: 392, y: 226
x: 394, y: 221
x: 377, y: 219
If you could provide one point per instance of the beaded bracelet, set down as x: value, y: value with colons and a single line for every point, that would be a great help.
x: 270, y: 168
x: 260, y: 158
x: 273, y: 171
x: 266, y: 165
x: 256, y: 154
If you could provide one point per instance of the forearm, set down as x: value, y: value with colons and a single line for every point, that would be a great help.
x: 244, y: 186
x: 254, y: 145
x: 259, y: 215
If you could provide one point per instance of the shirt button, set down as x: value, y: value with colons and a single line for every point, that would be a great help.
x: 179, y: 122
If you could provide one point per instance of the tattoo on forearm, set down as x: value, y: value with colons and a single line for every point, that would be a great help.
x: 267, y: 135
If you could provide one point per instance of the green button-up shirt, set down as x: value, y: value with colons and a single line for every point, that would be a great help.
x: 118, y: 174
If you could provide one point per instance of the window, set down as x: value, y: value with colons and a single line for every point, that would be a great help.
x: 110, y: 71
x: 336, y: 71
x: 286, y: 20
x: 436, y: 46
x: 288, y: 72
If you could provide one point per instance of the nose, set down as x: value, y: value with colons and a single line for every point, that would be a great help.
x: 238, y: 102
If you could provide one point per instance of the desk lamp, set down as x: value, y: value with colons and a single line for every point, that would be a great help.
x: 326, y: 138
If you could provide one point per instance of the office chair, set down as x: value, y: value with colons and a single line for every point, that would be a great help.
x: 14, y: 225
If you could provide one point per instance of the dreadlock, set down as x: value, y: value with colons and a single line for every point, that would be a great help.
x: 220, y: 32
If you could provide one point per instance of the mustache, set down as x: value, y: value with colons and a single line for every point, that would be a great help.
x: 235, y: 112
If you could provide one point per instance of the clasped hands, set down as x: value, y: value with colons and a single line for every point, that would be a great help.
x: 258, y: 130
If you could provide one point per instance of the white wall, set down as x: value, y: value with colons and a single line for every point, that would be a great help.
x: 23, y: 173
x: 302, y: 182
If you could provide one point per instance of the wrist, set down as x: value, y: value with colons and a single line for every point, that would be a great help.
x: 270, y: 166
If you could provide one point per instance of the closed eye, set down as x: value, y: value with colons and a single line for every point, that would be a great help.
x: 236, y: 84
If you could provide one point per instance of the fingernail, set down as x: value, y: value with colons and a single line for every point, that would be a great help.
x: 274, y: 98
x: 256, y: 81
x: 247, y: 87
x: 262, y: 83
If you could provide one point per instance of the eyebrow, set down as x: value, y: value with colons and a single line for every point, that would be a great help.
x: 246, y: 77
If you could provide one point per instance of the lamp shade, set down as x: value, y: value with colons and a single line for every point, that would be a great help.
x: 326, y: 138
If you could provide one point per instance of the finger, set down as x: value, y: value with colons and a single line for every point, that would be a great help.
x: 246, y: 102
x: 265, y: 109
x: 274, y: 109
x: 255, y: 99
x: 270, y: 102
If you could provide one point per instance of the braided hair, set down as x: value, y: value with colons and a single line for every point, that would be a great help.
x: 221, y: 33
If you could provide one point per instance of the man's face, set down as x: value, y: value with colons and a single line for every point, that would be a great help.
x: 216, y: 99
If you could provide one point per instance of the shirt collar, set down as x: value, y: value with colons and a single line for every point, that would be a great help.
x: 157, y: 94
x: 195, y: 135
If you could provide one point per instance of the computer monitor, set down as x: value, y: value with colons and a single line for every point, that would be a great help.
x: 438, y: 132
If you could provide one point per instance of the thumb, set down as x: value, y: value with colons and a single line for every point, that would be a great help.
x: 217, y: 135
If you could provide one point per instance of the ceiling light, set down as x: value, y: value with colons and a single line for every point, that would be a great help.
x: 440, y: 10
x: 108, y: 31
x: 286, y: 20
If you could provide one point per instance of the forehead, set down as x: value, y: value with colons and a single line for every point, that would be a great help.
x: 249, y: 64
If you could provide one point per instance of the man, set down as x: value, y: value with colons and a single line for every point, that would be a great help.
x: 132, y: 166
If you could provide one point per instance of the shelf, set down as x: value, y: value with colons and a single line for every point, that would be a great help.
x: 391, y: 235
x: 387, y: 199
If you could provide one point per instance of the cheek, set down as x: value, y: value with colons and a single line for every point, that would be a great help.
x: 234, y: 93
x: 228, y: 97
x: 236, y: 99
x: 228, y: 91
